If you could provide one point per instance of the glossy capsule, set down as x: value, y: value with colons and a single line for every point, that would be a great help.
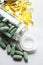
x: 12, y: 50
x: 18, y: 52
x: 17, y: 57
x: 25, y: 55
x: 8, y: 49
x: 18, y: 47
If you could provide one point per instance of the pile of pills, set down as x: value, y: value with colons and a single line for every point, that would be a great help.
x: 7, y: 42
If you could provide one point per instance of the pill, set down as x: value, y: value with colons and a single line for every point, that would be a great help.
x: 18, y: 52
x: 5, y: 20
x: 8, y: 34
x: 18, y: 47
x: 25, y: 56
x: 4, y: 41
x: 11, y: 44
x: 1, y: 24
x: 17, y: 57
x: 12, y: 51
x: 8, y: 49
x: 4, y: 28
x: 2, y: 44
x: 13, y: 30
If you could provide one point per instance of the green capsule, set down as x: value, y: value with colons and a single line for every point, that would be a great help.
x: 17, y: 57
x: 2, y: 44
x: 4, y: 28
x: 8, y: 49
x: 11, y: 44
x: 18, y: 53
x: 12, y: 51
x: 1, y: 17
x: 4, y: 41
x: 12, y: 31
x: 25, y: 56
x: 9, y: 24
x: 2, y: 24
x: 11, y: 28
x: 8, y: 34
x: 5, y: 20
x: 18, y: 47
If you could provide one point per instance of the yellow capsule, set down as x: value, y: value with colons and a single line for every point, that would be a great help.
x: 26, y: 4
x: 6, y: 7
x: 27, y: 16
x: 20, y: 17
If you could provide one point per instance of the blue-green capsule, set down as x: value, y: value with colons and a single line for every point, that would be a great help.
x: 18, y: 52
x: 2, y: 24
x: 4, y: 28
x: 11, y: 28
x: 25, y: 56
x: 2, y: 44
x: 18, y: 47
x: 12, y: 50
x: 4, y: 41
x: 17, y: 57
x: 8, y: 49
x: 8, y: 34
x: 12, y: 31
x: 5, y: 20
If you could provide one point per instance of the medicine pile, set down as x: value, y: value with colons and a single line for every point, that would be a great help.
x: 8, y: 43
x: 9, y: 35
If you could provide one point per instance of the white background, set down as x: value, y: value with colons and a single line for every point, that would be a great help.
x: 37, y: 32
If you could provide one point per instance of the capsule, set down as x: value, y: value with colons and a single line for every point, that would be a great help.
x: 18, y: 47
x: 17, y: 57
x: 4, y: 41
x: 8, y: 49
x: 11, y: 44
x: 2, y: 24
x: 25, y: 56
x: 8, y: 34
x: 12, y: 51
x: 18, y: 53
x: 5, y: 20
x: 13, y: 30
x: 4, y: 28
x: 2, y: 44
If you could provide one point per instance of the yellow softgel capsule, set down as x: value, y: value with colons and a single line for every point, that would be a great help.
x: 6, y: 7
x: 26, y: 4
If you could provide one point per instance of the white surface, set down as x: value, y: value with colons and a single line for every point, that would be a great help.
x: 36, y: 32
